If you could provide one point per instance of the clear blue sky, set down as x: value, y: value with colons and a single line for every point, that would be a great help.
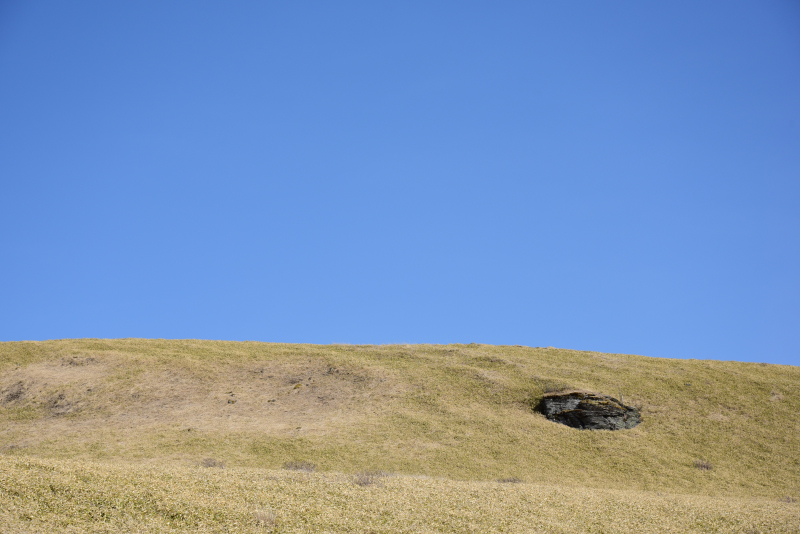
x: 610, y: 176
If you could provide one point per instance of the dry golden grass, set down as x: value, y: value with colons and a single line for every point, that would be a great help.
x: 134, y: 421
x: 44, y: 495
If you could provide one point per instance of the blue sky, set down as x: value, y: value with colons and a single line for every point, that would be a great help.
x: 615, y: 176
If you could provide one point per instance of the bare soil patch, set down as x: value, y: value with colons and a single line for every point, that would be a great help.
x: 266, y: 398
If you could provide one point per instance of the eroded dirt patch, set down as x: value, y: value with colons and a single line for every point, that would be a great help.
x: 42, y: 383
x: 79, y: 394
x: 268, y: 398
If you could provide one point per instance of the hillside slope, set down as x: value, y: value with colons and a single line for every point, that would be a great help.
x: 459, y: 411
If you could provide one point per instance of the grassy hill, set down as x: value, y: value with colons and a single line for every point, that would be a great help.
x: 97, y: 433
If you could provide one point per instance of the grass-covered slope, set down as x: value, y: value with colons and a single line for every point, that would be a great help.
x: 456, y: 412
x: 64, y: 496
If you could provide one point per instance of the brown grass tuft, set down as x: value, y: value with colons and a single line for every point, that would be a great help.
x: 703, y: 465
x: 265, y: 518
x: 294, y: 465
x: 369, y: 478
x: 212, y: 462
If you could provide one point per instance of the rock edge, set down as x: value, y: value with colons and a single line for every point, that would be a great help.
x: 588, y: 411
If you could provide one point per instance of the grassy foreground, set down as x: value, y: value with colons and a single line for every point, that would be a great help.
x: 112, y: 436
x: 78, y: 496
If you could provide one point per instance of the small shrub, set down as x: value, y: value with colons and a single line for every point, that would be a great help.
x: 211, y: 462
x: 265, y: 518
x: 542, y: 386
x: 703, y: 465
x: 509, y: 480
x: 368, y: 478
x: 550, y: 386
x: 294, y: 465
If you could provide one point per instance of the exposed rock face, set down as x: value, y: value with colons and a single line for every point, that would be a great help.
x: 584, y: 410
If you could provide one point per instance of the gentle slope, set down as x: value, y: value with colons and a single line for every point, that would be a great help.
x: 460, y: 413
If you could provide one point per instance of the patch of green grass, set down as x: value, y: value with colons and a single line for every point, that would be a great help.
x: 24, y: 413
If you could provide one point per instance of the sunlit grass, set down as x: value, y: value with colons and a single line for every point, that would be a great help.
x: 78, y: 496
x: 123, y: 418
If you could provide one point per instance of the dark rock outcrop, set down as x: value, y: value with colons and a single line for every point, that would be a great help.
x: 588, y: 411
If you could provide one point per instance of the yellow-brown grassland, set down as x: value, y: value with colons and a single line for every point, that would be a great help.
x: 137, y: 435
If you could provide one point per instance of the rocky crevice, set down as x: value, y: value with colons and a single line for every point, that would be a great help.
x: 588, y: 411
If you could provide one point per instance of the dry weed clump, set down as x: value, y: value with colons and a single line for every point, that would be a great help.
x: 265, y: 518
x: 369, y: 478
x: 294, y: 465
x: 212, y: 462
x: 703, y: 465
x: 546, y: 385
